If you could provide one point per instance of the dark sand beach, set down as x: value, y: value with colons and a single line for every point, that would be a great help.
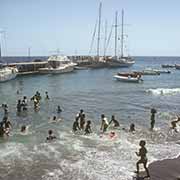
x: 168, y: 169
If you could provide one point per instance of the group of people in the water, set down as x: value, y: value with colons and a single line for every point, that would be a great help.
x: 80, y: 124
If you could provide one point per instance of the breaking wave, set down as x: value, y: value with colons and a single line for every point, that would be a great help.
x: 164, y: 91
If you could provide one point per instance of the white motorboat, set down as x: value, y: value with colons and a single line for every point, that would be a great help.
x: 57, y: 65
x: 128, y: 78
x: 149, y: 71
x: 8, y: 73
x: 162, y: 71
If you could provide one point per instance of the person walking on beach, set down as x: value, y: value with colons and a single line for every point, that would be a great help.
x: 143, y: 159
x: 104, y: 123
x: 153, y: 112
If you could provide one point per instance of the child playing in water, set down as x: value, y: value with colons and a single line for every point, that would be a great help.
x: 174, y: 124
x: 115, y: 122
x: 142, y: 153
x: 76, y: 125
x: 88, y: 128
x: 104, y: 123
x: 51, y: 136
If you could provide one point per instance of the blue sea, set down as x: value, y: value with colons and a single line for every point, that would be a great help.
x: 96, y: 156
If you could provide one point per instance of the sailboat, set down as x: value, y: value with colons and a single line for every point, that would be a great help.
x: 120, y: 61
x: 6, y: 73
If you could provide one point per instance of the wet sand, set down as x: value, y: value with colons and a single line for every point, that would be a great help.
x: 168, y: 169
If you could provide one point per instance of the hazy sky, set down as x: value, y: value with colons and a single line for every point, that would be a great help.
x: 153, y: 26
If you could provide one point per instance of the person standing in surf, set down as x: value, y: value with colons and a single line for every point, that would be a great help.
x: 153, y: 112
x: 104, y: 123
x: 143, y: 159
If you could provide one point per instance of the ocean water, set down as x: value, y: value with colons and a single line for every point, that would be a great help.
x: 79, y: 157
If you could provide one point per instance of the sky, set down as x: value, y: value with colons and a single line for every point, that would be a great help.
x: 152, y: 27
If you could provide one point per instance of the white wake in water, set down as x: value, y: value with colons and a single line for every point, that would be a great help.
x: 164, y: 91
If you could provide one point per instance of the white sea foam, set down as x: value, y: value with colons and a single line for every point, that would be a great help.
x: 164, y: 91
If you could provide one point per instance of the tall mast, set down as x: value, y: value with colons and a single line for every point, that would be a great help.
x: 116, y: 15
x: 122, y: 34
x: 105, y: 39
x: 0, y: 49
x: 29, y: 52
x: 99, y: 31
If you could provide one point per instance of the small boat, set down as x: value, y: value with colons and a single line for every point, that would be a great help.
x: 150, y: 71
x: 128, y: 77
x: 167, y: 66
x: 8, y: 73
x: 162, y: 71
x: 177, y: 66
x: 57, y: 65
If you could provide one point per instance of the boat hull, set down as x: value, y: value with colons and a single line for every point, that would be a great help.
x: 60, y: 70
x: 127, y: 79
x: 7, y: 74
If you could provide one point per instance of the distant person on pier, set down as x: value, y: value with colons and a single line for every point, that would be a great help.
x: 153, y: 112
x: 174, y: 124
x: 115, y: 122
x: 88, y: 128
x: 143, y: 159
x: 104, y: 123
x: 76, y: 125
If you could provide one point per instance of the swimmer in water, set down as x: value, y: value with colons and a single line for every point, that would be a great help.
x: 88, y: 128
x: 104, y: 123
x: 132, y: 128
x: 47, y: 96
x: 115, y: 122
x: 174, y: 124
x: 23, y: 129
x: 143, y: 159
x: 59, y: 110
x: 50, y: 136
x: 7, y: 125
x: 76, y: 125
x: 2, y: 131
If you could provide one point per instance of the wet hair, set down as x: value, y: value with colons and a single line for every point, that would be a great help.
x: 142, y: 143
x: 54, y: 117
x: 113, y: 117
x: 88, y: 122
x: 50, y: 132
x: 76, y: 119
x: 81, y: 110
x: 102, y: 115
x: 23, y: 128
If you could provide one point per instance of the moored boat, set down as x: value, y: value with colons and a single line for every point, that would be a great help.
x: 177, y: 66
x: 167, y: 66
x: 150, y: 71
x: 57, y: 65
x: 8, y: 73
x: 129, y: 78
